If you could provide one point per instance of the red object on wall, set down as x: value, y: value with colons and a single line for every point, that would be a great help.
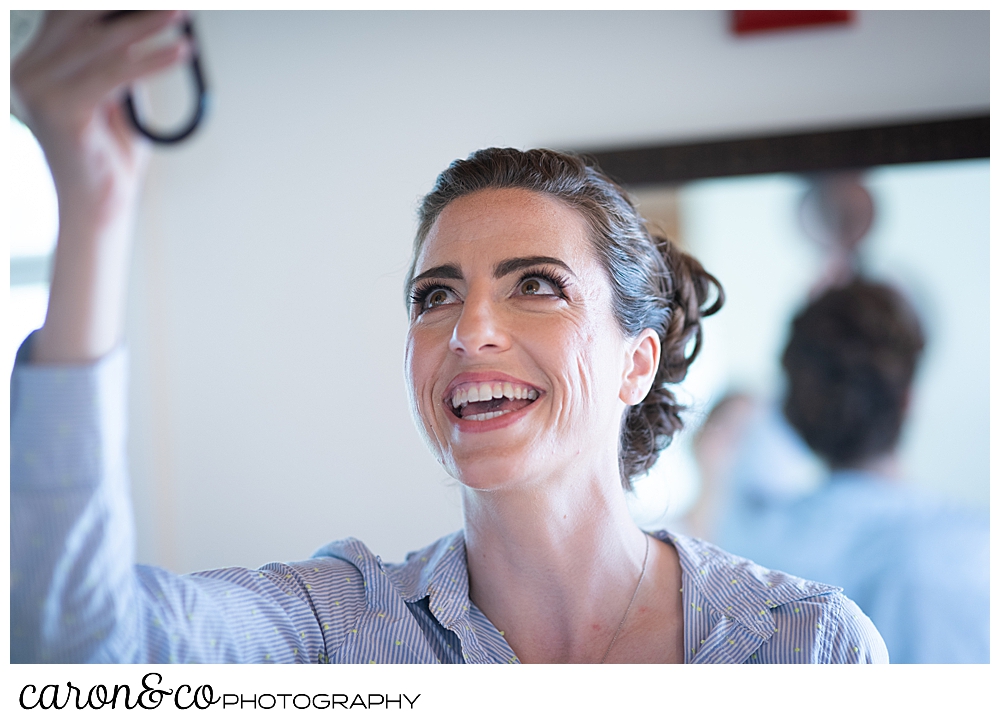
x: 758, y: 21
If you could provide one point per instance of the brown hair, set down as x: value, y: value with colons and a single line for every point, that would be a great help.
x: 653, y: 283
x: 850, y: 362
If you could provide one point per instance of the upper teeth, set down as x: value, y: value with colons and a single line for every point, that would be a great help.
x: 490, y: 390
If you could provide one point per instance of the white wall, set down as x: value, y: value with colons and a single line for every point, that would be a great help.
x: 269, y: 412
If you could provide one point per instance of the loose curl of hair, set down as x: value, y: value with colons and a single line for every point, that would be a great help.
x: 654, y: 284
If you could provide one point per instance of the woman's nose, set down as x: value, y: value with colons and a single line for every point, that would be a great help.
x: 479, y: 329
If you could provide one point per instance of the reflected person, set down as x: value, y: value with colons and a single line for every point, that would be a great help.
x: 917, y: 565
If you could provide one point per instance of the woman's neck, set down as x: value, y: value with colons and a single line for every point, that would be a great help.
x: 554, y: 564
x: 886, y: 466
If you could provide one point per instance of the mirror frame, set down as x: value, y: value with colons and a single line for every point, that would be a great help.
x: 817, y: 151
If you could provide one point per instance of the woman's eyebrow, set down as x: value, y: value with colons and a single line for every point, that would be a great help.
x: 509, y: 266
x: 445, y: 271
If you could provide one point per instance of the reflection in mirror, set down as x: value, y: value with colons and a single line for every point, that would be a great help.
x: 763, y: 237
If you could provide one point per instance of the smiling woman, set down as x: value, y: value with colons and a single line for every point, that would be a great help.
x: 545, y: 325
x: 655, y: 290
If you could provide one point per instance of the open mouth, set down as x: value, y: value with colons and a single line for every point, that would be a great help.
x: 486, y: 400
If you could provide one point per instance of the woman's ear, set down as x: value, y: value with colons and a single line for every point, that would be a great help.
x: 642, y: 361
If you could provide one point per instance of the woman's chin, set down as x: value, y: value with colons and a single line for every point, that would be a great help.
x: 488, y: 473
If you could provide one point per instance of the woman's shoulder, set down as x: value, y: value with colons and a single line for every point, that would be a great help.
x: 444, y: 558
x: 794, y: 620
x: 720, y: 574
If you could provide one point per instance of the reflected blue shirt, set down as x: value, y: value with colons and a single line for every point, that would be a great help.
x: 917, y: 566
x: 77, y: 596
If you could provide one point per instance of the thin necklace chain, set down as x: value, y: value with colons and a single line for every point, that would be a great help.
x: 621, y: 625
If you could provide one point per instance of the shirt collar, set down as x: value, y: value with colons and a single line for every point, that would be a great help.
x: 432, y: 570
x: 439, y: 572
x: 739, y: 595
x: 735, y: 587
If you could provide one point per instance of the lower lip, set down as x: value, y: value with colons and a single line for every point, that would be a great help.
x: 494, y: 423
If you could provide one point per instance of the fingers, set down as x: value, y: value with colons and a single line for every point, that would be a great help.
x: 98, y: 39
x: 61, y: 25
x: 110, y: 75
x: 70, y: 40
x: 81, y: 59
x: 135, y: 27
x: 60, y: 29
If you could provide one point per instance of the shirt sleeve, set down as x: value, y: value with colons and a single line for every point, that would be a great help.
x: 854, y: 640
x: 76, y: 594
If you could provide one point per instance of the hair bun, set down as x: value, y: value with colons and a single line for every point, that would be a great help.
x: 651, y: 425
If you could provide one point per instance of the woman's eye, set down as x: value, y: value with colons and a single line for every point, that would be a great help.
x: 537, y: 286
x: 436, y: 297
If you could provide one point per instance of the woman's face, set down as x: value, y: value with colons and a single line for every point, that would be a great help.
x: 517, y: 369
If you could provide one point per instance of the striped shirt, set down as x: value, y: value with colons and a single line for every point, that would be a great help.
x: 76, y: 595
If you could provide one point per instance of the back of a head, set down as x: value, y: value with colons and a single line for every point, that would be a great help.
x: 850, y: 362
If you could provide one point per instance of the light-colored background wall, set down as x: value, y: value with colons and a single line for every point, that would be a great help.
x: 268, y: 405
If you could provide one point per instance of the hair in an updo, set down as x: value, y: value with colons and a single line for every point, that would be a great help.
x: 654, y: 284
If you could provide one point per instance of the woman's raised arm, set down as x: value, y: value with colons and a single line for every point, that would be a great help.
x: 76, y: 595
x: 69, y: 84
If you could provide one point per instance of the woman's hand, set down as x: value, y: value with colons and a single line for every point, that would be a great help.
x: 70, y: 83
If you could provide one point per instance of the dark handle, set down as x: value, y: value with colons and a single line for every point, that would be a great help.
x: 200, y: 86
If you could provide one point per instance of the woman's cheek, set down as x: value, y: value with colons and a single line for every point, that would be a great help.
x: 587, y: 375
x: 421, y: 366
x: 413, y: 364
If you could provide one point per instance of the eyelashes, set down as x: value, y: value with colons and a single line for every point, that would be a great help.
x: 422, y: 292
x: 553, y: 277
